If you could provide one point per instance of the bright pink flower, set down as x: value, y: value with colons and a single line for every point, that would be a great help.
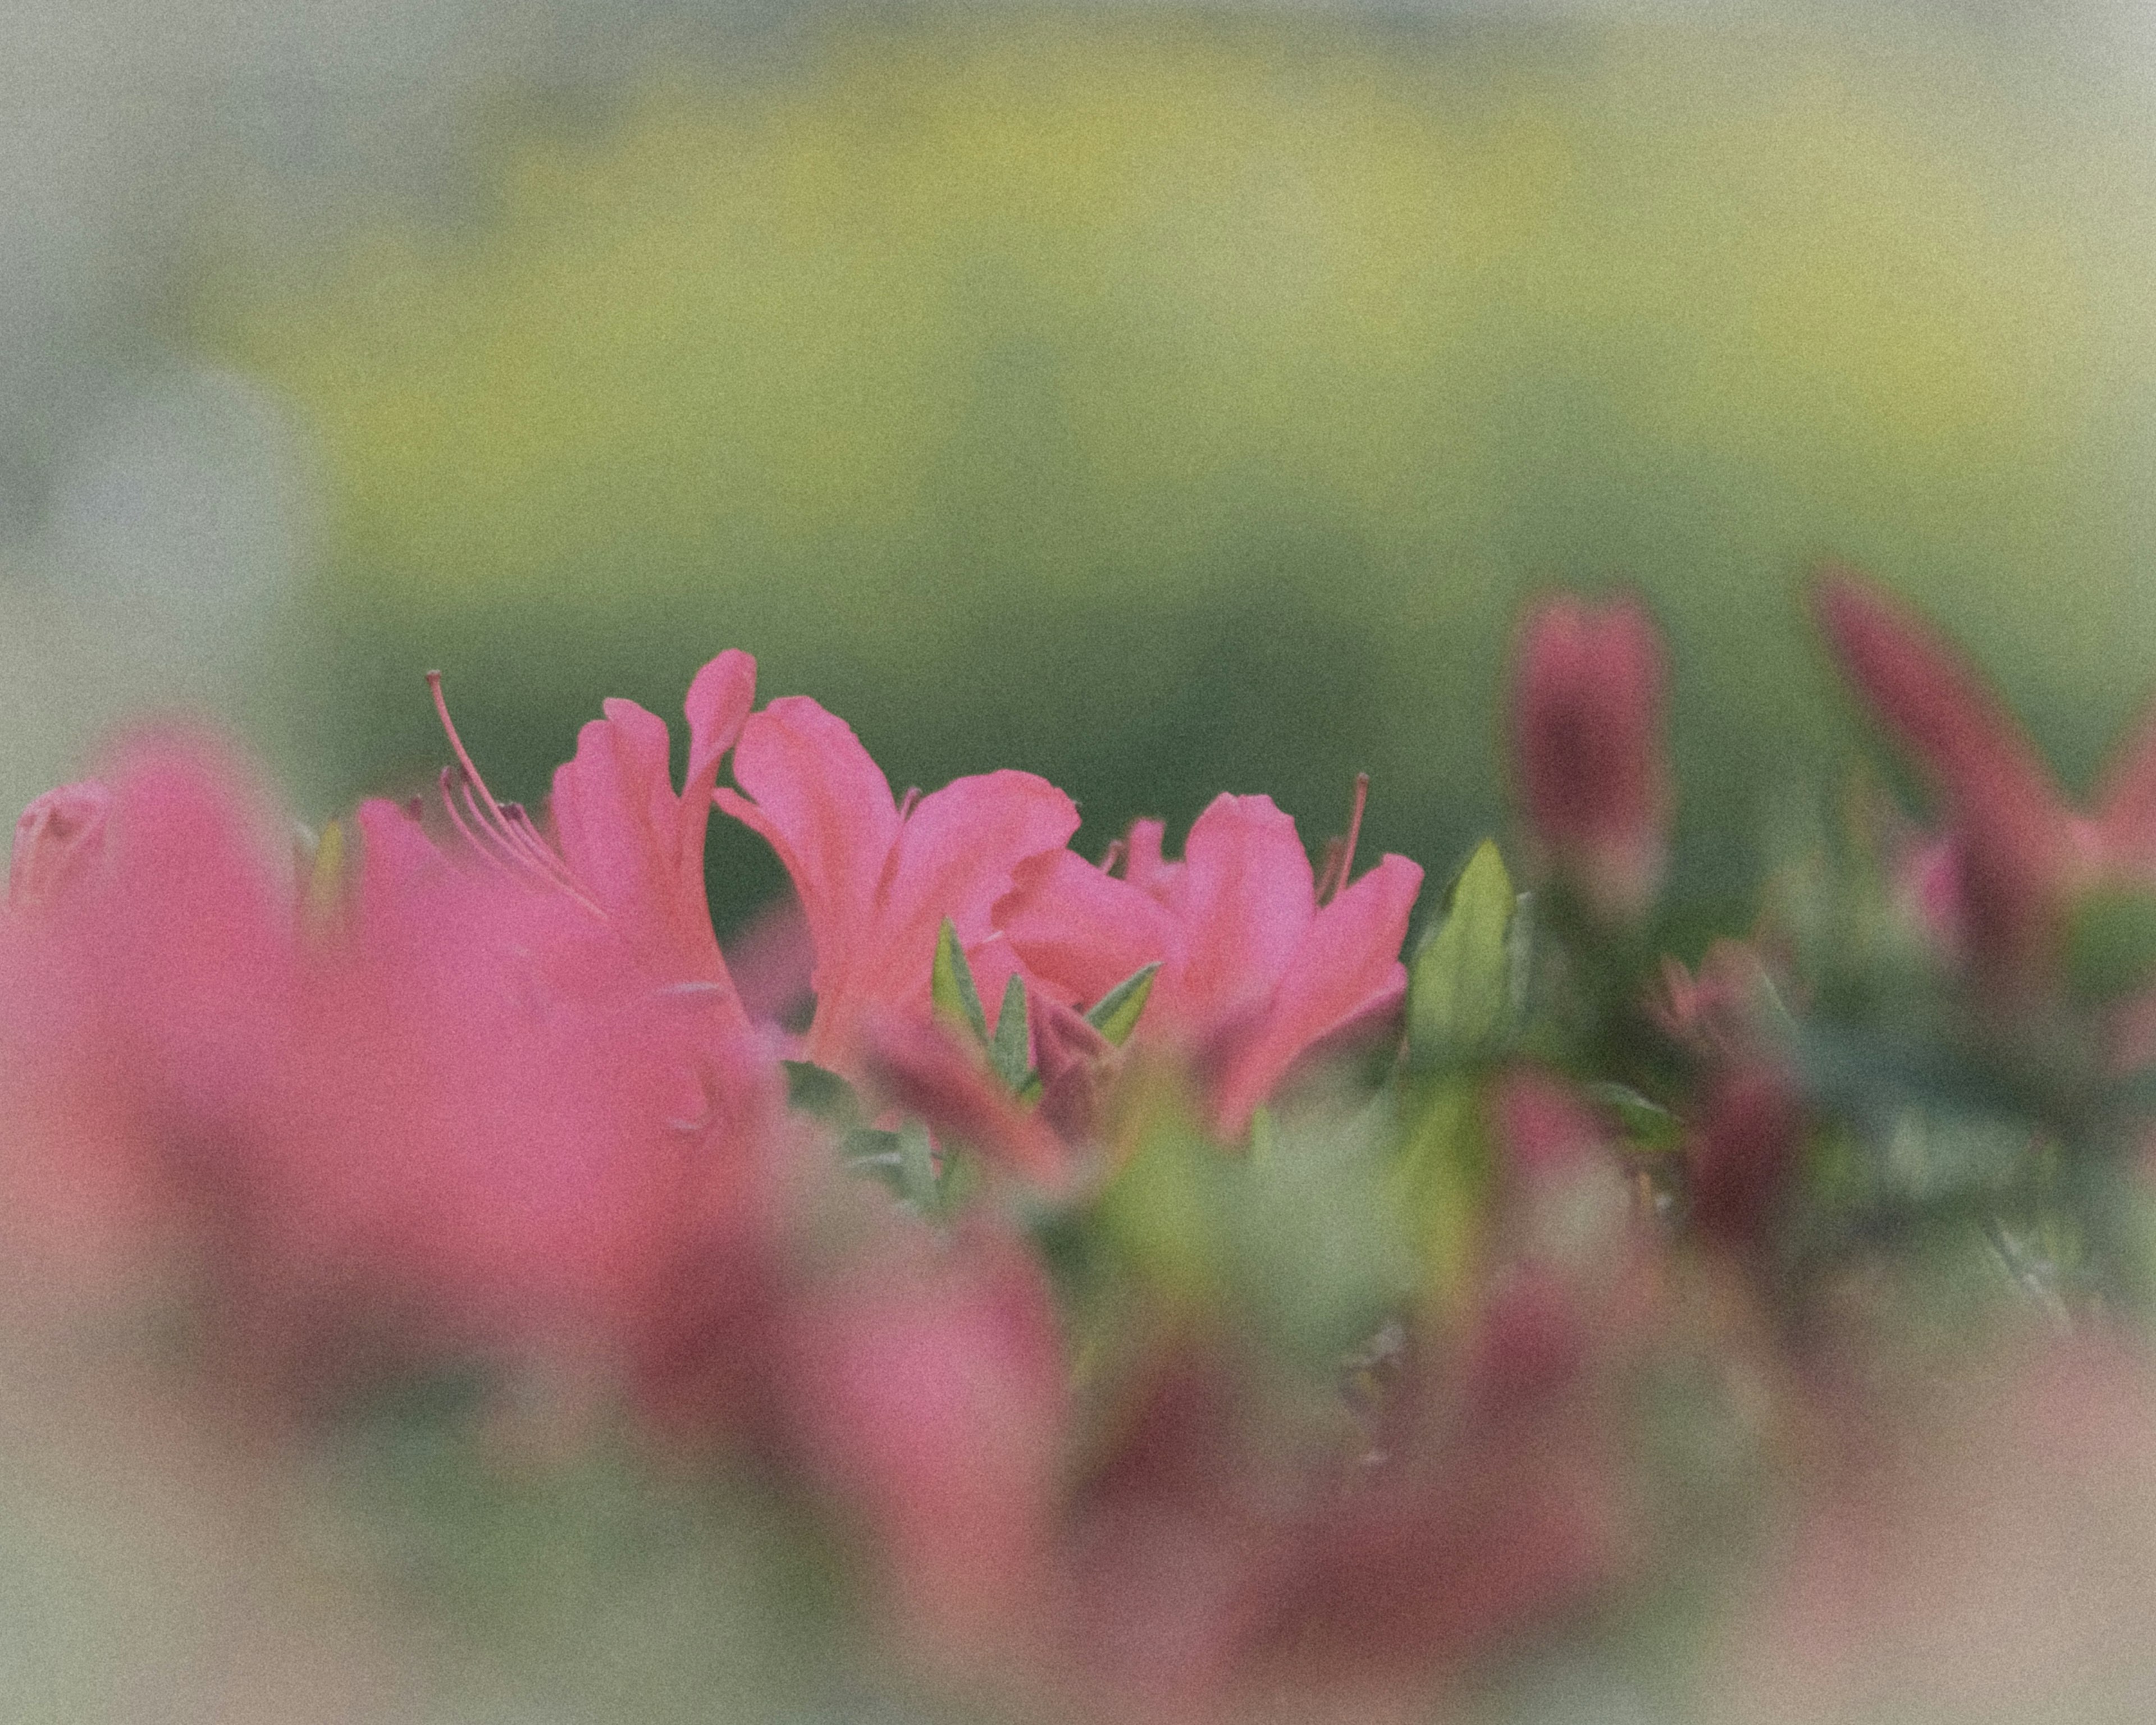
x: 876, y: 882
x: 1587, y: 749
x: 1253, y: 971
x: 629, y: 843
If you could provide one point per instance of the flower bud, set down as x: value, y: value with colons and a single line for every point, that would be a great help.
x: 1587, y: 749
x: 2015, y: 855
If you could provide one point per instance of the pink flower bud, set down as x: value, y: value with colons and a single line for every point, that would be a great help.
x: 1587, y: 751
x: 57, y: 837
x: 1743, y: 1154
x: 2015, y: 853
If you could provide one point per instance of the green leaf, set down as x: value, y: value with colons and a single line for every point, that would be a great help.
x: 1114, y: 1014
x: 1646, y: 1122
x: 917, y: 1166
x: 1012, y: 1047
x: 871, y: 1150
x: 1461, y: 989
x: 2110, y: 943
x: 1446, y: 1174
x: 816, y: 1090
x: 950, y: 987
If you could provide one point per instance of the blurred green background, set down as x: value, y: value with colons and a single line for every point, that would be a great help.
x: 1173, y: 400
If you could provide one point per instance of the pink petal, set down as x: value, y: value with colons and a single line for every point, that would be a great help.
x: 2017, y: 841
x: 718, y: 703
x: 1079, y: 931
x: 1247, y: 895
x: 826, y: 808
x: 954, y: 860
x: 1952, y: 725
x: 638, y: 848
x: 1346, y: 965
x: 59, y: 837
x: 1142, y: 866
x: 2126, y: 797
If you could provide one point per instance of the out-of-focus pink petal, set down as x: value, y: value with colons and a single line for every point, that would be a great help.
x: 2017, y: 842
x: 192, y: 925
x: 1546, y: 1132
x: 771, y: 959
x: 2126, y: 799
x: 1742, y: 1155
x: 826, y: 808
x: 918, y: 1066
x: 1248, y: 896
x: 1953, y: 726
x: 59, y: 836
x: 1346, y: 965
x: 1587, y: 749
x: 928, y: 1391
x: 1080, y: 930
x: 508, y: 1124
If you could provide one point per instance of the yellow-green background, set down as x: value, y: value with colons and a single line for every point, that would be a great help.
x: 1173, y: 403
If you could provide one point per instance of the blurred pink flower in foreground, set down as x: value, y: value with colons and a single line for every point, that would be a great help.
x: 491, y: 1097
x: 1587, y: 749
x: 1254, y: 971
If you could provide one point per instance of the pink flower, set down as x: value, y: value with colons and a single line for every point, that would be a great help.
x: 629, y: 843
x: 1587, y: 749
x: 877, y: 881
x: 518, y: 1125
x: 147, y: 975
x: 1253, y: 971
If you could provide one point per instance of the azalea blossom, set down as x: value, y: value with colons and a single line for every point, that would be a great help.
x: 1254, y: 971
x: 877, y: 880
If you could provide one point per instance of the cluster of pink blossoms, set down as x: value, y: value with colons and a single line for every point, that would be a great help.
x: 455, y: 1081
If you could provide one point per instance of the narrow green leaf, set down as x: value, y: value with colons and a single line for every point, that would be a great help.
x: 873, y: 1151
x: 1646, y: 1124
x: 816, y: 1090
x: 917, y: 1166
x: 1461, y: 988
x: 1115, y: 1014
x: 951, y: 986
x: 1012, y: 1047
x: 1520, y: 956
